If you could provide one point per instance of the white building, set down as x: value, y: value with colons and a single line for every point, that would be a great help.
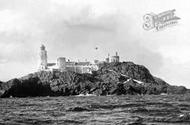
x: 63, y: 65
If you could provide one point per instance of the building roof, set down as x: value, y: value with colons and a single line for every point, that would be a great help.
x: 83, y: 63
x: 51, y: 64
x: 78, y: 63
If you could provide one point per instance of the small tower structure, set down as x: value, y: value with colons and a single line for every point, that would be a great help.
x: 115, y: 58
x: 108, y: 58
x: 43, y: 58
x: 61, y: 63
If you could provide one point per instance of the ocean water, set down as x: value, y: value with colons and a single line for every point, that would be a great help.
x: 96, y: 110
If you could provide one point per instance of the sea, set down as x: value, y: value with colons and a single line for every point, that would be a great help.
x: 96, y: 110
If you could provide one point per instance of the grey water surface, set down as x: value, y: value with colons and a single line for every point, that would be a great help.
x: 96, y: 110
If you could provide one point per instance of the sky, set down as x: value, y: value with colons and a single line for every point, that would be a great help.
x: 74, y: 28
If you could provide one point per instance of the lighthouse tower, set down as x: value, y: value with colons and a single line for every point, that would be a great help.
x: 43, y: 58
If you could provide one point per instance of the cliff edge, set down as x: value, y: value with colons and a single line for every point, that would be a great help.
x: 111, y: 79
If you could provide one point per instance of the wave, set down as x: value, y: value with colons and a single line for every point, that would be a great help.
x: 78, y: 109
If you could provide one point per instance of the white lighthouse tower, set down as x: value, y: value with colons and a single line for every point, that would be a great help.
x: 43, y: 58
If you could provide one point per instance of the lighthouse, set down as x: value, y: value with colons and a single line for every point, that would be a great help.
x: 43, y: 58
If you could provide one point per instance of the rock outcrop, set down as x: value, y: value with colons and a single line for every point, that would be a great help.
x: 111, y: 79
x: 1, y: 88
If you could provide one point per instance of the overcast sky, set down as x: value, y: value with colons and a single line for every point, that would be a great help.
x: 73, y: 28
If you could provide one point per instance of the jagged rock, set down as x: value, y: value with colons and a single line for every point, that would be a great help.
x: 1, y: 85
x: 176, y: 90
x: 111, y: 79
x: 26, y: 87
x: 129, y: 69
x: 1, y: 88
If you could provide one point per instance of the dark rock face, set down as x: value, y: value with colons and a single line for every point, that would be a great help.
x: 110, y: 79
x: 129, y: 69
x: 1, y: 88
x: 27, y: 87
x: 1, y: 84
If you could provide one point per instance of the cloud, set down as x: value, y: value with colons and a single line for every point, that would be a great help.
x: 64, y: 27
x: 26, y: 24
x: 73, y: 28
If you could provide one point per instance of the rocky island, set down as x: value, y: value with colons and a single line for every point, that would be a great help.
x: 116, y: 78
